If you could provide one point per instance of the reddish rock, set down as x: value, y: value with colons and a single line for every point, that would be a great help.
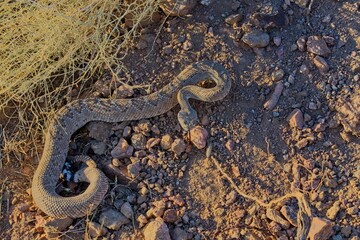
x: 198, y: 137
x: 170, y: 215
x: 321, y: 64
x: 296, y: 119
x: 317, y: 45
x: 320, y: 127
x: 157, y: 230
x: 300, y: 43
x: 320, y: 229
x: 178, y: 146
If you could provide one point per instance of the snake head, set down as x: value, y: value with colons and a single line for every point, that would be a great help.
x: 187, y: 120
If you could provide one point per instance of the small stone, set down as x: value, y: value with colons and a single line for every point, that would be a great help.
x: 296, y: 119
x: 96, y: 230
x: 321, y: 64
x: 329, y: 40
x: 126, y: 131
x: 134, y: 168
x: 177, y: 200
x: 116, y: 162
x: 312, y: 106
x: 187, y: 45
x: 198, y: 137
x: 233, y: 19
x: 124, y: 91
x: 138, y: 141
x: 333, y: 211
x: 142, y: 219
x: 346, y: 231
x: 301, y: 3
x: 178, y: 146
x: 277, y: 41
x: 141, y: 44
x: 317, y: 45
x: 320, y: 127
x: 304, y: 69
x: 126, y: 210
x: 99, y: 130
x: 300, y: 43
x: 179, y: 234
x: 256, y: 39
x: 157, y: 230
x: 53, y: 227
x: 289, y: 215
x: 170, y: 215
x: 230, y: 145
x: 155, y: 129
x: 326, y: 19
x: 113, y: 219
x: 277, y: 75
x: 168, y: 49
x: 275, y: 215
x: 166, y: 142
x: 353, y: 210
x: 99, y: 148
x: 122, y: 150
x: 320, y: 229
x: 177, y: 7
x: 152, y: 142
x: 302, y: 143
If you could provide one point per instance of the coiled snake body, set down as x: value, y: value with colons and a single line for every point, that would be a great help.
x: 76, y: 114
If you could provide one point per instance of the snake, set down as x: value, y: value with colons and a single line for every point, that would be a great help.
x: 77, y: 113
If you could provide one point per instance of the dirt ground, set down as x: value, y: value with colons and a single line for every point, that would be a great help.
x: 266, y: 153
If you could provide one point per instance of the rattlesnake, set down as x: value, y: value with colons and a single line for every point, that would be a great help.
x: 77, y: 113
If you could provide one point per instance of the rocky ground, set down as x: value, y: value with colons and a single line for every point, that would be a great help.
x: 291, y: 124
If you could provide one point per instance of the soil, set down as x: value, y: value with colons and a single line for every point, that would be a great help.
x: 265, y: 154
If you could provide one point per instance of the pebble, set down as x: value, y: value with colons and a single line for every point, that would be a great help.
x: 126, y: 131
x: 277, y: 75
x: 317, y: 45
x: 166, y: 142
x: 275, y: 215
x: 187, y: 45
x: 274, y: 98
x: 99, y: 130
x: 277, y: 41
x: 99, y: 148
x: 170, y: 215
x: 134, y: 168
x: 126, y: 210
x: 333, y: 211
x: 138, y: 141
x: 321, y: 64
x: 230, y: 145
x: 178, y: 146
x: 304, y: 69
x: 301, y: 3
x: 122, y: 150
x: 289, y: 214
x: 346, y: 231
x: 177, y: 7
x: 320, y: 127
x: 296, y: 119
x: 124, y: 91
x: 256, y: 39
x: 152, y: 142
x: 300, y: 43
x: 156, y: 230
x: 53, y: 227
x: 233, y: 19
x: 198, y: 136
x: 312, y: 106
x: 96, y: 230
x: 113, y: 219
x: 180, y: 234
x: 320, y: 229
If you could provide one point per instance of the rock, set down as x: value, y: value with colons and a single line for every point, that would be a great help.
x: 333, y: 211
x: 321, y: 64
x: 277, y: 41
x: 177, y: 200
x: 177, y: 7
x: 277, y: 75
x: 235, y: 170
x: 126, y: 131
x: 138, y: 141
x: 126, y: 210
x: 99, y: 130
x: 289, y: 215
x: 274, y: 98
x: 349, y: 114
x: 275, y: 215
x: 24, y: 207
x: 320, y: 127
x: 152, y: 142
x: 157, y: 230
x: 256, y: 39
x: 166, y: 142
x: 317, y: 45
x: 134, y: 168
x: 312, y: 106
x: 187, y: 45
x: 302, y: 143
x: 122, y: 150
x: 301, y: 3
x: 198, y: 136
x: 99, y: 148
x: 96, y: 230
x: 113, y: 219
x: 233, y: 19
x: 124, y: 91
x: 296, y: 119
x: 53, y: 227
x: 230, y: 145
x: 346, y: 231
x: 300, y: 43
x: 178, y: 146
x: 304, y: 69
x: 320, y: 229
x: 170, y: 215
x: 179, y: 234
x: 142, y: 220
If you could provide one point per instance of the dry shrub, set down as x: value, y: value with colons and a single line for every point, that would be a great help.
x: 48, y: 46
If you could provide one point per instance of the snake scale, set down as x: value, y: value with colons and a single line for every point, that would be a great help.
x: 76, y: 114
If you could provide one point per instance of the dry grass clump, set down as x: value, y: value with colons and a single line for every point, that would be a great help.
x: 48, y: 46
